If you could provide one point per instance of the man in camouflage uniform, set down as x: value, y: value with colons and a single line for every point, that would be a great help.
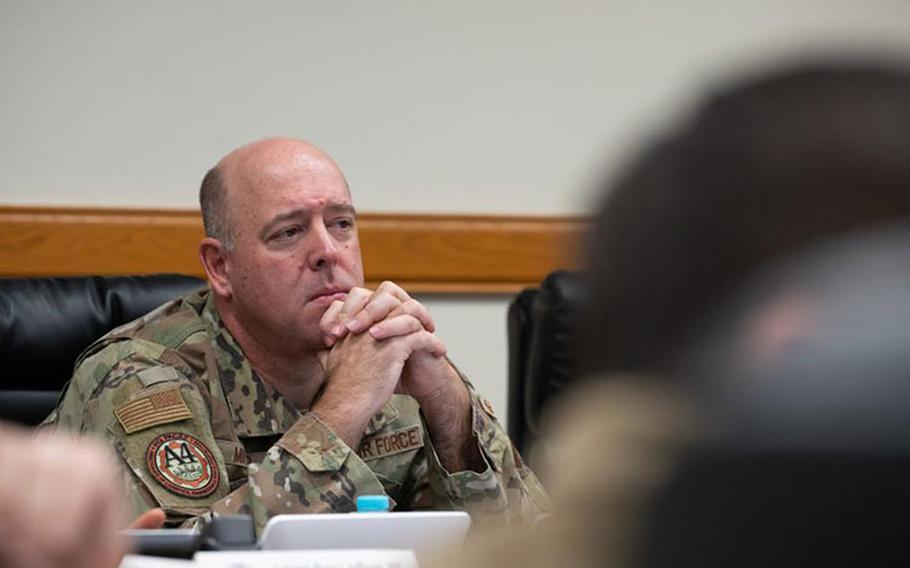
x: 285, y: 386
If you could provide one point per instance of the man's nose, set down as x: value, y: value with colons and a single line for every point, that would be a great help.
x: 322, y: 250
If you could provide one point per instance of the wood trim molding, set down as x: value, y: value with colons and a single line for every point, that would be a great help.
x: 461, y: 254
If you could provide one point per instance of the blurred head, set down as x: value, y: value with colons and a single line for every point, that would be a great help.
x: 281, y: 241
x: 800, y: 380
x: 762, y: 169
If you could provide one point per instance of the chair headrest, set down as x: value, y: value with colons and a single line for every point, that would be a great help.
x: 551, y: 348
x: 45, y: 323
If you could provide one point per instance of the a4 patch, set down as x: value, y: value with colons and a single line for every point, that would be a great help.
x: 183, y: 465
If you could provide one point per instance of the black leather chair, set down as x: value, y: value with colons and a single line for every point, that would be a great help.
x: 541, y: 352
x: 45, y: 323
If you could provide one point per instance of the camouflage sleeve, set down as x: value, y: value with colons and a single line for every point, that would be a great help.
x: 158, y: 423
x: 161, y: 425
x: 309, y: 470
x: 507, y: 491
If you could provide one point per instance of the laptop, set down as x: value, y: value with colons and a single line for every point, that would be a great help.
x: 424, y: 532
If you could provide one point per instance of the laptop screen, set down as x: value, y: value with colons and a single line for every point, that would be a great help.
x: 424, y: 532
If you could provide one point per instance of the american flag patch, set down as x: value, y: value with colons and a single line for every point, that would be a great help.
x: 151, y: 410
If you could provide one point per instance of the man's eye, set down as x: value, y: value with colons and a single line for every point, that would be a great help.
x: 344, y: 224
x: 286, y: 234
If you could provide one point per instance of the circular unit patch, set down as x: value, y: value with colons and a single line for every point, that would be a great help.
x: 182, y: 464
x: 487, y: 406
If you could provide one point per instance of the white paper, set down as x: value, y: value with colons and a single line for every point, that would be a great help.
x: 360, y: 558
x: 136, y: 561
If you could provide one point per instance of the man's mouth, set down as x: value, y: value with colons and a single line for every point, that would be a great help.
x: 328, y: 296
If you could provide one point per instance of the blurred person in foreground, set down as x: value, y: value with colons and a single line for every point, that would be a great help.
x: 801, y: 381
x: 46, y: 523
x: 740, y: 437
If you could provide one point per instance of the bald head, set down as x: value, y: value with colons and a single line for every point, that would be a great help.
x: 258, y: 164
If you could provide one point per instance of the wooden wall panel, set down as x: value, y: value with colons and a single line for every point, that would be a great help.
x: 424, y: 253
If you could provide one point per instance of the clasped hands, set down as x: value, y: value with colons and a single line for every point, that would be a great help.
x: 379, y: 343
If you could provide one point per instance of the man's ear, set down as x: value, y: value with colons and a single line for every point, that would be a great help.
x: 215, y: 262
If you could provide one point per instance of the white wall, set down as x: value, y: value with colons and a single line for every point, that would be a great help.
x: 468, y: 106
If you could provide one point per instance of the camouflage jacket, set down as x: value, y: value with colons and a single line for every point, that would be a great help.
x: 199, y: 432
